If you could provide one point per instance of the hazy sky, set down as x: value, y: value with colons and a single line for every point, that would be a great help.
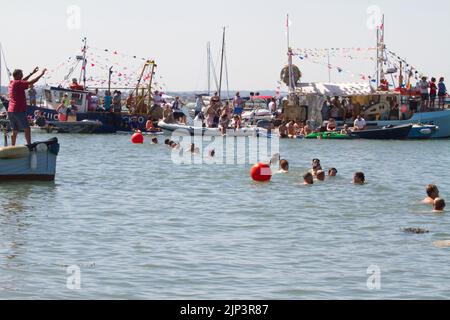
x: 175, y: 34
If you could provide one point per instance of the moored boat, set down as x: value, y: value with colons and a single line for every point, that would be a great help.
x: 385, y: 133
x: 34, y: 162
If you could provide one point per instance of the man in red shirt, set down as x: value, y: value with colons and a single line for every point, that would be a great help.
x: 17, y: 110
x: 75, y: 86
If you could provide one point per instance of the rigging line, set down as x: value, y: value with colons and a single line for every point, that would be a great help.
x: 226, y: 72
x: 6, y: 64
x: 215, y: 75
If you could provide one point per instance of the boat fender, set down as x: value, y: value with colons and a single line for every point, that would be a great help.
x: 33, y: 161
x: 42, y: 147
x: 14, y: 152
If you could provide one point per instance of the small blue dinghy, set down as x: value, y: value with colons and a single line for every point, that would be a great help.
x: 36, y: 162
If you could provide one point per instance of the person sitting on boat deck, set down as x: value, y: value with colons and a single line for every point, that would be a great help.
x: 149, y: 126
x: 320, y: 175
x: 308, y: 179
x: 284, y: 166
x: 237, y: 122
x: 307, y: 129
x: 439, y: 205
x: 39, y: 119
x: 331, y: 126
x: 134, y: 124
x: 17, y: 106
x: 107, y: 101
x: 346, y: 130
x: 224, y: 123
x: 432, y: 194
x: 442, y: 92
x: 212, y: 116
x: 359, y: 178
x: 359, y: 124
x: 155, y: 141
x: 168, y: 114
x: 32, y: 95
x: 75, y: 86
x: 332, y: 172
x: 283, y: 130
x: 178, y: 113
x: 291, y: 130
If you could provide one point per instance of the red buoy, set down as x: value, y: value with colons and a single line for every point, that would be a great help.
x: 261, y: 172
x: 137, y: 138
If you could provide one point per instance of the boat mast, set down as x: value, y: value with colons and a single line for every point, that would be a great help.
x: 83, y: 68
x: 208, y: 50
x: 380, y: 52
x: 290, y: 54
x: 1, y: 54
x: 221, y: 64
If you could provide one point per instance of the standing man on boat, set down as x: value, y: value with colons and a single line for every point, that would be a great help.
x: 17, y: 109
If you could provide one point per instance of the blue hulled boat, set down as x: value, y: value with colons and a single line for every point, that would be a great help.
x: 33, y: 162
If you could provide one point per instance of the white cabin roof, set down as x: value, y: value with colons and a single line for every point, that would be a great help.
x: 337, y: 89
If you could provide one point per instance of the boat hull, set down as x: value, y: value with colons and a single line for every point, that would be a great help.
x: 39, y: 164
x: 441, y: 119
x: 394, y: 133
x: 110, y: 122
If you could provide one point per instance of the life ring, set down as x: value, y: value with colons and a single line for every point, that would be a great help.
x: 296, y: 75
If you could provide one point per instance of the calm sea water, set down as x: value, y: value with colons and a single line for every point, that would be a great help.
x: 139, y: 226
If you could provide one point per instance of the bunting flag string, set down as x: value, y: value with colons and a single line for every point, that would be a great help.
x: 337, y: 68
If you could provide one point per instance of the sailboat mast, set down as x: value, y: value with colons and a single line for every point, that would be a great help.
x: 208, y: 50
x: 290, y: 54
x: 221, y: 64
x: 1, y: 53
x: 83, y: 68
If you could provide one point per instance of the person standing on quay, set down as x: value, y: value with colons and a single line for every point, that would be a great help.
x: 18, y: 103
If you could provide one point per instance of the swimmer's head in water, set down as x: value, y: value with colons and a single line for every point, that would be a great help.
x: 359, y: 178
x: 284, y: 164
x: 321, y: 175
x: 308, y: 178
x: 332, y: 172
x: 432, y: 191
x: 155, y: 140
x: 439, y: 204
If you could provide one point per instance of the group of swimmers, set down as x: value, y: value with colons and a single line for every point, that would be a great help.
x: 434, y: 199
x: 318, y: 174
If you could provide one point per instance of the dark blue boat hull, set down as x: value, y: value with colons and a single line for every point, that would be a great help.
x: 111, y: 123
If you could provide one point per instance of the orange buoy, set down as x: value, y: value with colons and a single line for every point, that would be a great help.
x: 261, y: 172
x: 137, y: 138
